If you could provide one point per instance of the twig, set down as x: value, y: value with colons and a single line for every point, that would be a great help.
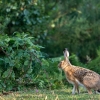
x: 4, y: 51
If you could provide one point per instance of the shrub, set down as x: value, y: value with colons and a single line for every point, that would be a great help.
x: 49, y: 76
x: 23, y: 64
x: 17, y: 57
x: 94, y: 65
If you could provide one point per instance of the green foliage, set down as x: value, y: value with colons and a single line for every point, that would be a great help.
x: 23, y: 64
x: 18, y: 53
x: 73, y: 24
x: 20, y: 15
x: 94, y: 65
x: 75, y: 60
x: 49, y: 76
x: 55, y: 25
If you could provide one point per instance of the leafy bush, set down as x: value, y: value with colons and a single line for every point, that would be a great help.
x: 23, y: 64
x: 75, y: 60
x: 18, y: 53
x: 25, y: 16
x: 94, y: 65
x: 49, y: 76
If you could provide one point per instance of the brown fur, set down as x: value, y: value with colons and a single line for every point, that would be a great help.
x: 77, y: 75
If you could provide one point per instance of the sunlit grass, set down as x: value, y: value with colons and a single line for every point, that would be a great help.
x: 61, y: 94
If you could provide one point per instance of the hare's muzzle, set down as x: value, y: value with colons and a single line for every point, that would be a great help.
x: 59, y: 65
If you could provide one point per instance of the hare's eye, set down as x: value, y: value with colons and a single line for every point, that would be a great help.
x: 62, y: 62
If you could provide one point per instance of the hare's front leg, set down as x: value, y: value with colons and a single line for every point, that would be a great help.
x: 73, y: 90
x: 75, y: 87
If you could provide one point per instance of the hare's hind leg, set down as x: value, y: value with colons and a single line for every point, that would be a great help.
x: 89, y: 90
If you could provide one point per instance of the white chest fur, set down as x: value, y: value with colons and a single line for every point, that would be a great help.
x: 69, y: 80
x: 76, y: 80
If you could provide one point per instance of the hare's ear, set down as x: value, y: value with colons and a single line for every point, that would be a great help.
x: 66, y: 54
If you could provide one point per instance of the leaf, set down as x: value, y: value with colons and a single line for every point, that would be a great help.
x: 7, y: 39
x: 12, y: 63
x: 56, y: 59
x: 26, y: 62
x: 3, y: 84
x: 26, y: 12
x: 45, y: 62
x: 9, y: 87
x: 6, y: 73
x: 7, y: 60
x: 13, y: 75
x: 30, y: 71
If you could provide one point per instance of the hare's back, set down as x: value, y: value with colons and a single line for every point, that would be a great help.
x: 87, y: 77
x: 91, y: 80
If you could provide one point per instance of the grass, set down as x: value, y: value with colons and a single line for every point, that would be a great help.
x: 62, y: 94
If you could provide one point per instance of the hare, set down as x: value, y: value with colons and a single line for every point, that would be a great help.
x: 79, y: 76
